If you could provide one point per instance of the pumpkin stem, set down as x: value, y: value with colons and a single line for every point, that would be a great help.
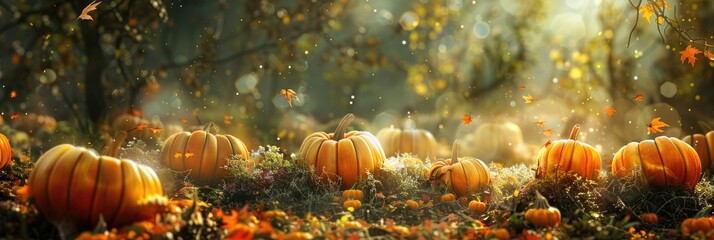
x: 574, y: 132
x: 342, y: 126
x: 209, y: 127
x: 541, y: 202
x: 705, y: 127
x: 455, y: 152
x: 409, y: 124
x: 113, y: 150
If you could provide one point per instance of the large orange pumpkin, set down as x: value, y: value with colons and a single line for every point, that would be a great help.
x: 349, y: 156
x: 408, y: 140
x: 663, y: 162
x: 138, y: 128
x: 202, y: 152
x: 703, y: 143
x: 464, y: 176
x: 568, y: 156
x: 5, y: 151
x: 73, y: 186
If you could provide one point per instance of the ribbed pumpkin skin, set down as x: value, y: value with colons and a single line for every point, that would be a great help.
x: 416, y: 141
x: 691, y: 226
x: 703, y: 144
x: 128, y: 123
x: 75, y: 185
x: 203, y: 153
x: 464, y: 177
x: 568, y: 156
x: 350, y: 158
x: 664, y: 161
x: 5, y: 151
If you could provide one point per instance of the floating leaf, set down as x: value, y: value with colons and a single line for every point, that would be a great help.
x: 466, y: 119
x: 539, y: 123
x: 289, y: 94
x: 655, y: 126
x: 85, y: 12
x: 611, y: 111
x: 639, y: 97
x: 528, y: 99
x: 689, y: 54
x: 547, y: 132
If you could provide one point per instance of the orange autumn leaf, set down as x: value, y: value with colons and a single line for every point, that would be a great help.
x: 528, y: 99
x: 466, y: 119
x: 289, y: 94
x: 14, y: 116
x: 183, y: 120
x: 689, y: 54
x: 141, y: 126
x: 522, y: 87
x: 539, y: 123
x: 13, y: 94
x: 547, y: 132
x: 85, y: 12
x: 178, y: 155
x: 155, y: 130
x: 136, y: 112
x: 639, y: 97
x: 610, y: 111
x: 648, y: 10
x: 188, y: 154
x: 655, y: 126
x: 709, y: 55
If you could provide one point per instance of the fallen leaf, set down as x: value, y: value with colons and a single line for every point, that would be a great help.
x: 639, y: 97
x: 539, y: 123
x: 289, y: 94
x: 610, y: 111
x: 466, y: 119
x: 547, y: 132
x: 85, y: 12
x: 689, y: 54
x: 655, y: 126
x: 528, y: 99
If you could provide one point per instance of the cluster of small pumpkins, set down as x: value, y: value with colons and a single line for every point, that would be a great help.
x: 74, y: 186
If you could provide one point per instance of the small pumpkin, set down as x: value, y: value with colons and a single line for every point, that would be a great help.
x: 146, y: 130
x: 463, y: 176
x: 349, y: 156
x: 449, y: 197
x: 202, y: 152
x: 663, y: 162
x: 542, y: 215
x: 419, y: 142
x: 700, y: 225
x: 703, y: 143
x: 352, y: 194
x: 497, y: 233
x: 5, y: 151
x: 354, y: 204
x: 477, y: 206
x: 411, y: 204
x: 73, y: 186
x: 568, y: 156
x: 649, y: 218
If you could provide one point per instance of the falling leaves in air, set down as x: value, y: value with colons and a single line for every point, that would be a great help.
x: 639, y: 97
x: 656, y: 126
x: 13, y: 94
x: 522, y: 87
x: 155, y: 130
x: 648, y: 9
x: 539, y: 123
x: 547, y: 132
x: 85, y: 12
x: 611, y: 111
x: 689, y: 54
x: 183, y: 120
x: 289, y: 94
x: 136, y: 112
x: 466, y: 119
x: 528, y: 99
x: 140, y: 127
x: 14, y: 116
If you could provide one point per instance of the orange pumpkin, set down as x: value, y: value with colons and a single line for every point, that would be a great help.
x: 497, y: 233
x: 477, y: 206
x: 663, y: 162
x: 354, y: 204
x: 73, y: 186
x: 568, y: 156
x: 704, y: 145
x: 202, y: 152
x: 412, y: 204
x: 701, y: 225
x: 649, y: 217
x: 408, y: 140
x: 349, y: 156
x: 352, y: 194
x: 499, y: 142
x: 449, y: 197
x: 138, y: 128
x: 464, y: 176
x: 5, y: 151
x: 542, y: 215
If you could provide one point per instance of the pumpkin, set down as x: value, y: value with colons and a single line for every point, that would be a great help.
x: 463, y: 176
x: 352, y: 194
x: 202, y: 152
x: 412, y: 204
x: 449, y: 197
x: 701, y: 225
x: 498, y: 142
x: 663, y: 162
x: 73, y: 186
x: 349, y: 156
x: 568, y: 156
x: 33, y: 122
x: 419, y: 142
x: 703, y: 143
x: 148, y: 131
x: 497, y: 233
x: 542, y: 215
x: 298, y: 236
x: 477, y: 206
x: 5, y: 151
x: 354, y: 204
x: 649, y: 217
